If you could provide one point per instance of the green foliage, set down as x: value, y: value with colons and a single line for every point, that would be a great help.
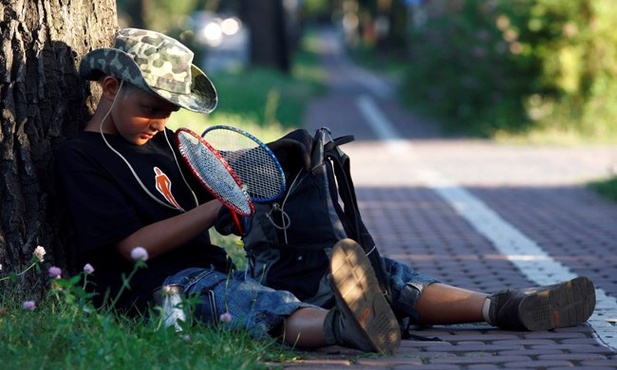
x: 316, y: 10
x: 515, y: 65
x: 233, y: 245
x: 458, y: 70
x: 606, y: 188
x: 265, y: 96
x: 158, y: 15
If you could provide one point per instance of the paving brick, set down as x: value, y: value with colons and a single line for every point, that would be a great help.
x: 534, y: 353
x: 596, y: 364
x: 478, y: 358
x: 537, y: 364
x: 574, y: 357
x: 480, y: 367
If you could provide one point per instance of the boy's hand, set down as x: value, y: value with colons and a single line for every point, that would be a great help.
x: 225, y: 224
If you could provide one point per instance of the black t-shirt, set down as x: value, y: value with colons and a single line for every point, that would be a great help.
x: 107, y: 204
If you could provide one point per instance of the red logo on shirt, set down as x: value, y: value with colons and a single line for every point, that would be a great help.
x: 163, y: 185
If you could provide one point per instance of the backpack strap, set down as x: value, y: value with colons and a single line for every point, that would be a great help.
x: 339, y: 162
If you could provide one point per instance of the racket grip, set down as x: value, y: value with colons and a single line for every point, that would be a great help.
x: 238, y: 222
x: 245, y: 225
x: 227, y: 222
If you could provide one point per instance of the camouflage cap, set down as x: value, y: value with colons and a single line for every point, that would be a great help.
x: 155, y: 63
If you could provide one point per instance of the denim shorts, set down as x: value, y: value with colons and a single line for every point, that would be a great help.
x: 406, y: 285
x: 260, y: 309
x: 250, y: 305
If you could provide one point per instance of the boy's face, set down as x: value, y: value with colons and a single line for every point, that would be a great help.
x: 139, y: 115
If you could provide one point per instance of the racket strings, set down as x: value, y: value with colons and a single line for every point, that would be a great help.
x: 209, y: 169
x: 252, y: 163
x: 253, y: 167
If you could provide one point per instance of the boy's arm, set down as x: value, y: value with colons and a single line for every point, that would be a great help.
x: 166, y: 235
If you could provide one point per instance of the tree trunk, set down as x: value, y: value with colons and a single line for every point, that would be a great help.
x: 397, y: 35
x: 269, y: 43
x: 42, y: 100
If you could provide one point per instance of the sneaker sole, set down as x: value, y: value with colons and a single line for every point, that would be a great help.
x: 567, y: 304
x: 354, y: 281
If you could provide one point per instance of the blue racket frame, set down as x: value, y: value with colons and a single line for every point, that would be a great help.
x: 275, y: 161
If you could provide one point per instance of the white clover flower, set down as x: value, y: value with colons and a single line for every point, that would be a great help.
x: 39, y: 253
x: 29, y: 305
x: 55, y: 272
x: 226, y: 317
x: 139, y: 254
x: 88, y: 269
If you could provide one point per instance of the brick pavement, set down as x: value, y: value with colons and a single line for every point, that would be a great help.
x: 538, y: 190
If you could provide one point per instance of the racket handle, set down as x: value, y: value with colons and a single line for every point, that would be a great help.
x: 238, y: 223
x: 245, y: 224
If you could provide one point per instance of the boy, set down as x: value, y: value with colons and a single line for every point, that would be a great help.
x: 130, y: 197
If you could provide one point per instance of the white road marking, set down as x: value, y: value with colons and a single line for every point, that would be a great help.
x: 522, y: 251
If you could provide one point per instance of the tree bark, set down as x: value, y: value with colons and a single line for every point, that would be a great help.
x: 269, y: 42
x: 43, y: 100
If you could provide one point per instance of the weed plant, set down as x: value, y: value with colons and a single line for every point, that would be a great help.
x: 64, y: 331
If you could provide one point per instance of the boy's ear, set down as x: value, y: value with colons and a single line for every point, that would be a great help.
x: 110, y: 86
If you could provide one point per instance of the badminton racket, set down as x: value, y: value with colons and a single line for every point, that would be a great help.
x: 254, y: 163
x: 213, y: 172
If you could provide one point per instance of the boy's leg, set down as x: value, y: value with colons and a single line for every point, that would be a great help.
x: 542, y: 308
x: 442, y: 304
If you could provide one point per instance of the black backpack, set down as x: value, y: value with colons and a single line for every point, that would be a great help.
x: 289, y: 240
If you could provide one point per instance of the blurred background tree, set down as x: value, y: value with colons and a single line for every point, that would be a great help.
x: 490, y: 67
x: 272, y: 33
x: 273, y: 25
x: 482, y: 67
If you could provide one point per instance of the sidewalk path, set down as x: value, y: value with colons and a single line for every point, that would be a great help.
x: 477, y: 215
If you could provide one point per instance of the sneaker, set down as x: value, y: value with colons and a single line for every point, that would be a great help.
x: 544, y: 308
x: 365, y: 319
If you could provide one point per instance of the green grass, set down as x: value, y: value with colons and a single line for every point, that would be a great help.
x: 65, y: 331
x: 61, y: 335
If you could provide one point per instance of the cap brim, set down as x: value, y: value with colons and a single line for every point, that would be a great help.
x: 202, y: 99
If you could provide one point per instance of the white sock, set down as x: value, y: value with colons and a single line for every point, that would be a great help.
x: 485, y: 310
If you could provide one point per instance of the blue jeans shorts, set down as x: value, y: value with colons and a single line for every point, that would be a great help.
x: 406, y: 285
x: 251, y: 306
x: 260, y: 309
